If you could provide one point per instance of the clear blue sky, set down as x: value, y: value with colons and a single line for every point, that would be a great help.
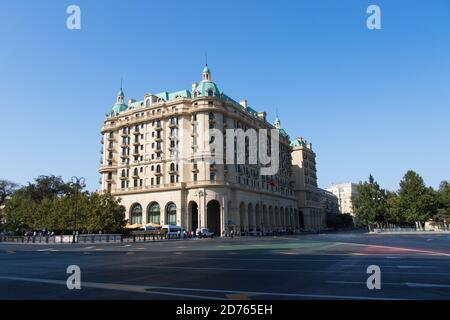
x: 370, y: 101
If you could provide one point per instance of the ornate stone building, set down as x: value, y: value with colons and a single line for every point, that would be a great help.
x: 157, y: 157
x: 305, y: 185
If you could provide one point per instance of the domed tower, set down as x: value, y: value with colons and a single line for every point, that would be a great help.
x: 120, y: 105
x: 206, y: 74
x: 205, y: 88
x: 277, y: 123
x: 120, y: 96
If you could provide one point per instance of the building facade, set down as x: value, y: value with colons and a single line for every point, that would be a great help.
x: 330, y: 203
x: 157, y: 158
x: 304, y: 178
x: 345, y: 192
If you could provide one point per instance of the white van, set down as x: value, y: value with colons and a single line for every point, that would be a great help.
x: 174, y: 231
x: 204, y: 233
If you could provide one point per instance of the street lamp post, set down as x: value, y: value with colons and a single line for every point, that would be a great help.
x: 78, y: 183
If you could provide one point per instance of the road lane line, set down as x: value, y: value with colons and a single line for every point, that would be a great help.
x: 165, y: 267
x: 407, y: 284
x: 112, y: 286
x: 426, y: 285
x: 147, y: 289
x: 390, y: 247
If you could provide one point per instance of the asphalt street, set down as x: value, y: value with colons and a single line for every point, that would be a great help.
x: 322, y: 266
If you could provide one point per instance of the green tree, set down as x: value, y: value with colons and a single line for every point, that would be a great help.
x: 371, y: 204
x: 394, y: 216
x: 7, y: 188
x: 417, y: 202
x: 19, y: 211
x: 104, y: 214
x: 58, y: 206
x: 442, y: 217
x: 48, y: 187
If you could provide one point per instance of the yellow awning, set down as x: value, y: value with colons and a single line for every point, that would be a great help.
x: 133, y: 226
x: 153, y: 225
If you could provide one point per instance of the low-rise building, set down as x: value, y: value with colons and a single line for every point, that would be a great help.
x: 330, y: 202
x: 345, y: 192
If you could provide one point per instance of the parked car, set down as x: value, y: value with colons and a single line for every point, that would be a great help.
x: 204, y: 233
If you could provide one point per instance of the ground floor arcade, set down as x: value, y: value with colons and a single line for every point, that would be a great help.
x: 221, y: 210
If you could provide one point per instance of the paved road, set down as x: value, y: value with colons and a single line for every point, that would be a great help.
x: 324, y: 266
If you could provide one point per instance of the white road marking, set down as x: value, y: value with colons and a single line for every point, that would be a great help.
x: 437, y: 253
x: 147, y: 290
x: 407, y: 284
x: 386, y: 266
x: 89, y: 248
x: 415, y: 267
x: 427, y: 285
x: 165, y: 267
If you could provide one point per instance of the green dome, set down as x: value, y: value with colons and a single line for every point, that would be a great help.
x: 120, y: 93
x: 206, y: 69
x: 205, y: 87
x: 119, y: 107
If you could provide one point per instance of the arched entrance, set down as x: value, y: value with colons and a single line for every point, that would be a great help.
x: 213, y: 217
x: 251, y: 217
x: 271, y: 218
x: 258, y: 217
x: 243, y: 220
x: 301, y: 219
x: 265, y: 222
x: 193, y: 214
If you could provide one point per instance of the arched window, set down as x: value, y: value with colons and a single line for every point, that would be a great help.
x: 136, y: 214
x: 136, y: 172
x: 172, y: 167
x: 158, y: 168
x: 211, y: 116
x: 123, y: 173
x: 210, y: 93
x: 171, y: 214
x: 154, y: 213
